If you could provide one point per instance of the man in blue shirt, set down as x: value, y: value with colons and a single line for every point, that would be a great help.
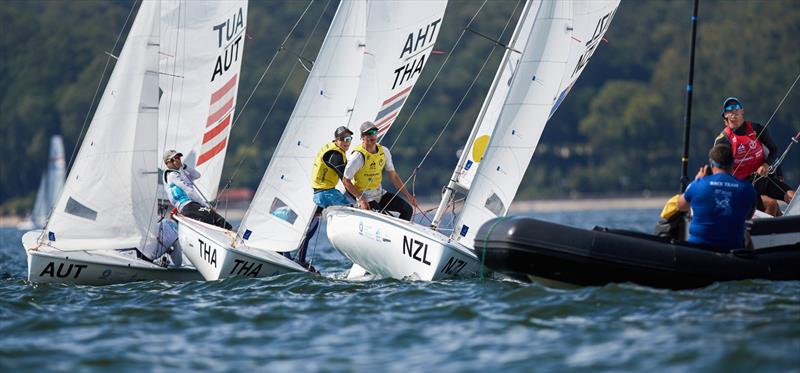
x: 720, y: 203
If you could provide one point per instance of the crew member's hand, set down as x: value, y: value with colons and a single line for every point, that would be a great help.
x: 362, y: 203
x: 701, y: 173
x: 763, y: 169
x: 413, y: 201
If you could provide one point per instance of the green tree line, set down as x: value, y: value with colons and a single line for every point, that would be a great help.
x: 620, y: 130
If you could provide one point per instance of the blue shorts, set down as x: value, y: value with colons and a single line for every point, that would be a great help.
x: 330, y: 197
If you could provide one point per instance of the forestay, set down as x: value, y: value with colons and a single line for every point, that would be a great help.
x: 370, y: 59
x: 202, y: 44
x: 564, y: 36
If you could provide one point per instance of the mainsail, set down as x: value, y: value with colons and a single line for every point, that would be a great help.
x: 564, y: 36
x: 109, y: 199
x: 202, y: 43
x: 369, y: 61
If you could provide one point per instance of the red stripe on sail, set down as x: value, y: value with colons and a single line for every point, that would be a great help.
x: 212, y: 133
x: 213, y: 118
x: 212, y: 152
x: 398, y: 95
x: 387, y: 118
x: 384, y: 129
x: 223, y: 90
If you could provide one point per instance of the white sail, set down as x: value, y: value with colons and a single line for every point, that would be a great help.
x: 370, y: 59
x: 490, y: 111
x: 202, y: 43
x: 400, y: 39
x: 564, y: 36
x: 108, y: 200
x: 51, y: 184
x: 40, y: 206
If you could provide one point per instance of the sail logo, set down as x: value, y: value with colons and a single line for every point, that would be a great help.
x: 245, y: 268
x: 208, y: 253
x: 412, y: 248
x: 599, y: 30
x: 231, y: 31
x: 62, y: 271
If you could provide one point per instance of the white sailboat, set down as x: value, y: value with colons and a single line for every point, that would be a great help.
x: 369, y: 61
x: 50, y: 185
x: 556, y: 40
x: 173, y: 86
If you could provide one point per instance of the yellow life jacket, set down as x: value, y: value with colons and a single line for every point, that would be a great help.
x: 371, y: 173
x: 322, y: 176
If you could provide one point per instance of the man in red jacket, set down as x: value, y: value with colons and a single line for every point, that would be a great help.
x: 753, y: 151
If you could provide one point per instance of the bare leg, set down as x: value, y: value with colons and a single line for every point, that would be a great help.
x: 770, y: 205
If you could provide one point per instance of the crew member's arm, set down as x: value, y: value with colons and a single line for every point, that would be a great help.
x: 353, y: 165
x: 334, y: 160
x: 772, y: 148
x: 190, y: 172
x: 175, y: 181
x: 396, y: 180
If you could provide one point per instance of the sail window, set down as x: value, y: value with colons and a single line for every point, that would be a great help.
x: 495, y: 205
x: 283, y: 212
x: 76, y: 208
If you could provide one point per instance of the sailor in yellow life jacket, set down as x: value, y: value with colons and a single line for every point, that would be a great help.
x: 328, y: 168
x: 364, y: 173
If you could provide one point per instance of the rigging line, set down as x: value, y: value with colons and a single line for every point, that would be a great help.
x: 770, y: 117
x: 461, y: 102
x: 277, y: 96
x: 427, y: 89
x: 272, y: 60
x: 97, y: 90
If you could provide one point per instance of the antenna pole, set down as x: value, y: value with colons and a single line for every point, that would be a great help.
x: 688, y: 118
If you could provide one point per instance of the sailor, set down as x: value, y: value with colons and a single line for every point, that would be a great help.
x: 328, y: 168
x: 720, y: 203
x: 179, y: 185
x: 364, y: 173
x: 753, y: 151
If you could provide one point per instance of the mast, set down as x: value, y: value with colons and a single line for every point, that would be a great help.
x: 688, y: 118
x: 462, y: 160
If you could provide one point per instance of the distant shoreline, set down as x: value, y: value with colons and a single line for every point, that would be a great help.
x: 540, y: 205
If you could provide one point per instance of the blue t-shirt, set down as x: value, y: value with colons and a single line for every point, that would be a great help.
x: 720, y: 205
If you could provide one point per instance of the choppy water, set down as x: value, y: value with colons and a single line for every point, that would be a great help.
x: 305, y: 323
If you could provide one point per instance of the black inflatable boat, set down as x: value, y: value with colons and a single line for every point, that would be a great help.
x: 530, y: 249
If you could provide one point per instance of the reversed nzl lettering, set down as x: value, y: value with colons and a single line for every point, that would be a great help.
x: 453, y: 266
x: 416, y: 250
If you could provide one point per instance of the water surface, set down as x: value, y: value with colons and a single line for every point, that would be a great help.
x: 299, y: 322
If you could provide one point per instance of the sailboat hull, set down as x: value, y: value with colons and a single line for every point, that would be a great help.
x: 47, y: 264
x: 391, y: 247
x: 209, y: 249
